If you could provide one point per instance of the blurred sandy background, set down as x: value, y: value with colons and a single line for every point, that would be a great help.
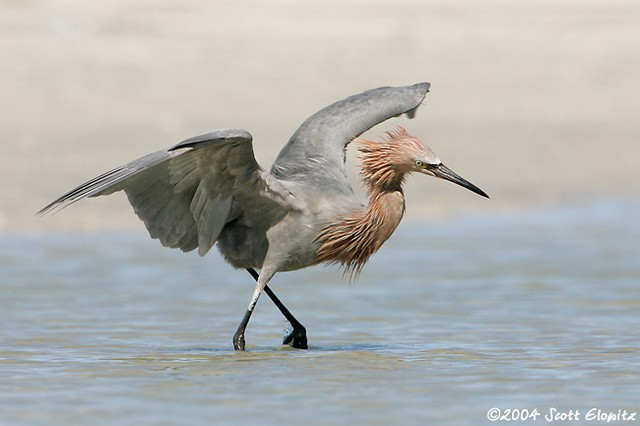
x: 533, y: 101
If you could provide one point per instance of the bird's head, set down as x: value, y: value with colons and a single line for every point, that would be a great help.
x: 386, y: 163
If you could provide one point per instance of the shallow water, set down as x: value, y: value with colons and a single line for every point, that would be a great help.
x: 534, y: 311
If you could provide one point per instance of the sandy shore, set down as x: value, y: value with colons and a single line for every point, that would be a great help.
x: 533, y: 101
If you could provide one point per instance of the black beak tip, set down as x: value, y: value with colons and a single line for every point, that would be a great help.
x: 471, y: 187
x: 483, y: 194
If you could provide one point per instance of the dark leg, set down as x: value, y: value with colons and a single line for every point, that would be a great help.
x: 238, y: 337
x: 298, y: 336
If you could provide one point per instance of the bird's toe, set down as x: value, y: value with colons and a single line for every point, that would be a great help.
x: 297, y: 338
x: 238, y: 342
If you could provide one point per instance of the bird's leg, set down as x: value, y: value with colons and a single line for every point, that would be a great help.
x: 238, y: 337
x: 261, y: 282
x: 297, y: 338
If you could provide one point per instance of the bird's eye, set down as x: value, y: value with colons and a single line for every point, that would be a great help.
x: 420, y: 164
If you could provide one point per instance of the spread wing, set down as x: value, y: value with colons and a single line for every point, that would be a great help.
x: 318, y: 146
x: 186, y: 194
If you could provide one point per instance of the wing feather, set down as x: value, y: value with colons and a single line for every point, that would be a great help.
x: 317, y: 149
x: 186, y: 194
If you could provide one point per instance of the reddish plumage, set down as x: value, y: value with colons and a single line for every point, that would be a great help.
x: 353, y: 239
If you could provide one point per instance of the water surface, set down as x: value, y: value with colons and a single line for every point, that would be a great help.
x: 449, y: 320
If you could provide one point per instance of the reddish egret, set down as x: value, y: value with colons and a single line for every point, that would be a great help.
x: 209, y: 189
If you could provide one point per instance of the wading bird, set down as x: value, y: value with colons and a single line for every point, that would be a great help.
x: 209, y: 189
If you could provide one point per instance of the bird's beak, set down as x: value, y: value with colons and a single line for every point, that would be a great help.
x: 443, y: 172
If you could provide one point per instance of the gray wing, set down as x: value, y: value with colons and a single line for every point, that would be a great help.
x: 318, y: 146
x: 186, y: 194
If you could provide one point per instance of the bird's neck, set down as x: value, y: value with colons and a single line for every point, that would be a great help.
x: 381, y: 176
x: 354, y: 238
x: 384, y: 212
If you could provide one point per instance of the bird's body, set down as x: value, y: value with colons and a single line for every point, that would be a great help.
x: 209, y: 190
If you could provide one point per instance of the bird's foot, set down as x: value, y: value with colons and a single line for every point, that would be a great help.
x: 296, y: 337
x: 238, y: 341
